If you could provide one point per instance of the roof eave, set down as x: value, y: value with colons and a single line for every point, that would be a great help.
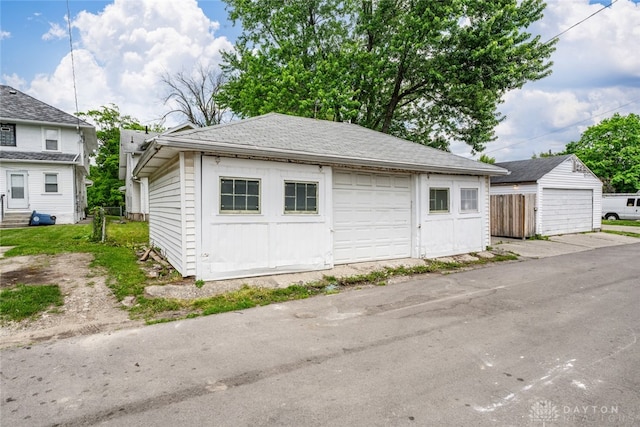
x: 222, y: 148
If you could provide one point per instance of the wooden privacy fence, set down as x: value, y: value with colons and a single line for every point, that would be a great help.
x: 513, y: 215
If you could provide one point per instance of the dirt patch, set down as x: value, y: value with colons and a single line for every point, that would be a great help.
x: 89, y: 305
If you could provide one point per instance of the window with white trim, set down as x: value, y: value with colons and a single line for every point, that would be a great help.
x: 300, y: 197
x: 438, y: 200
x: 51, y: 183
x: 52, y: 140
x: 239, y: 195
x: 469, y: 200
x: 7, y: 134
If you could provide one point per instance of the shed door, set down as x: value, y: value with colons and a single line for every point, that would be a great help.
x: 566, y: 211
x: 372, y: 216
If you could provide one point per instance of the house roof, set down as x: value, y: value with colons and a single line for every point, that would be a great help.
x: 528, y: 170
x: 34, y: 156
x: 132, y: 142
x: 20, y: 107
x: 283, y: 137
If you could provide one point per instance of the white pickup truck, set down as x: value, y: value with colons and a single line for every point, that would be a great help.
x: 621, y: 206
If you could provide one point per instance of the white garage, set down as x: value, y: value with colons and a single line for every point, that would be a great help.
x: 278, y: 194
x: 372, y: 216
x: 568, y: 196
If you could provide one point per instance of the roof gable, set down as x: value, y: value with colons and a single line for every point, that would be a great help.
x: 17, y: 105
x: 304, y: 139
x: 528, y: 170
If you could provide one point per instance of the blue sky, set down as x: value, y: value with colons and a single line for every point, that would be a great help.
x: 121, y: 47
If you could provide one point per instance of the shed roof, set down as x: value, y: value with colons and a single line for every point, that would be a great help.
x: 528, y: 170
x: 284, y: 137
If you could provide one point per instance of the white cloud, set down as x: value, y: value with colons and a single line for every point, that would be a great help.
x: 55, y: 32
x: 14, y: 80
x: 596, y: 73
x: 123, y: 51
x: 4, y: 35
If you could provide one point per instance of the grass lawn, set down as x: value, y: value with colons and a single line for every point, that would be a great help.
x: 23, y: 301
x: 630, y: 223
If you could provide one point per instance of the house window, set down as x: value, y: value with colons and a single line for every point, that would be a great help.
x: 51, y: 137
x: 300, y: 197
x: 239, y: 195
x: 50, y: 182
x: 438, y: 200
x: 469, y: 199
x: 7, y: 135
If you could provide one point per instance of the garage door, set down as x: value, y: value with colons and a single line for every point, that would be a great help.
x: 372, y: 216
x: 566, y: 211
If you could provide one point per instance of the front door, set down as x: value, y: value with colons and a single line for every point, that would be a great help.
x: 17, y: 189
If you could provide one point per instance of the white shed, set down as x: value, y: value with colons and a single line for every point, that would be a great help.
x: 568, y: 194
x: 277, y: 193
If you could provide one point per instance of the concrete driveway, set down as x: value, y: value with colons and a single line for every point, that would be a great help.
x: 564, y: 244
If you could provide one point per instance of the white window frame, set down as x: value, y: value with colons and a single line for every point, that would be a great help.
x: 45, y: 174
x: 297, y: 211
x: 44, y: 139
x: 239, y: 211
x: 438, y: 211
x: 462, y: 200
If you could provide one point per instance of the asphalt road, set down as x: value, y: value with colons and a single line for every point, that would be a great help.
x: 550, y: 341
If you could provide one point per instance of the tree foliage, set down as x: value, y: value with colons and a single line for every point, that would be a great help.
x: 196, y: 96
x: 104, y: 174
x: 611, y: 149
x: 487, y: 159
x: 429, y: 71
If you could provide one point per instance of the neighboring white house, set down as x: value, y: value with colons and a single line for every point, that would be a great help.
x: 132, y: 145
x: 277, y: 193
x: 568, y: 194
x: 44, y: 158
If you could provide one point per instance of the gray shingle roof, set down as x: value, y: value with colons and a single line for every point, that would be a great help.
x: 32, y: 156
x: 288, y: 137
x: 17, y: 105
x: 528, y: 170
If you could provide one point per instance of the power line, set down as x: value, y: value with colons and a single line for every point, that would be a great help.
x: 578, y: 23
x: 563, y: 128
x: 73, y: 67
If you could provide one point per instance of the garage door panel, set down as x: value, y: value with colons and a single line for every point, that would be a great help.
x: 566, y: 211
x: 372, y: 216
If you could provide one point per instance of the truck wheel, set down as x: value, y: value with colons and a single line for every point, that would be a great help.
x: 612, y: 217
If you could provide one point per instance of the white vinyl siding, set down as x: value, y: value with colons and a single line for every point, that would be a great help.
x: 60, y: 204
x: 165, y: 224
x: 372, y: 216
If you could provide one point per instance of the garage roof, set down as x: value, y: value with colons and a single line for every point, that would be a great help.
x: 283, y: 137
x: 530, y: 170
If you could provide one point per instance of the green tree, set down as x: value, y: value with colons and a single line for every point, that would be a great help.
x: 611, y: 149
x: 429, y: 71
x: 487, y: 159
x: 104, y: 174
